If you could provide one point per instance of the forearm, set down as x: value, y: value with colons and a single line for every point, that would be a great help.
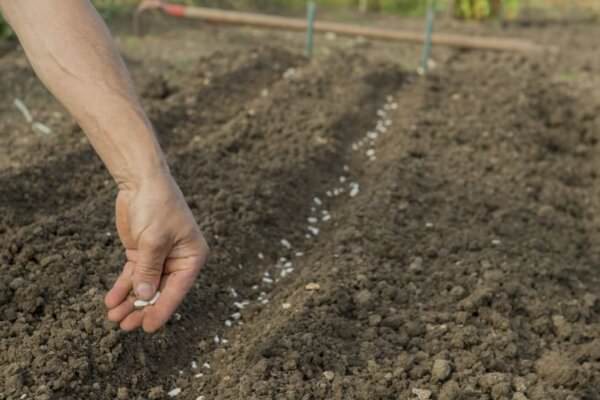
x: 72, y: 52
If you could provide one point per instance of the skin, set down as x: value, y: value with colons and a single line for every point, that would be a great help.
x: 72, y: 52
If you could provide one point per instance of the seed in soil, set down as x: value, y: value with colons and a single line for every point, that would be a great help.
x: 175, y: 392
x: 286, y: 244
x: 317, y: 201
x: 313, y: 230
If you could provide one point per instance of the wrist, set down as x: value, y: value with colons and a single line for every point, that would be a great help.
x: 151, y: 169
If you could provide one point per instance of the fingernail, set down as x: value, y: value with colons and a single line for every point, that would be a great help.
x: 144, y: 291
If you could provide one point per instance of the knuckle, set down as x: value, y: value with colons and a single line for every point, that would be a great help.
x: 148, y: 270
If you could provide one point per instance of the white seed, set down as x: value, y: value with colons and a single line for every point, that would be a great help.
x: 194, y: 365
x: 286, y: 306
x: 328, y: 193
x: 354, y: 189
x: 200, y: 398
x: 286, y: 244
x: 233, y: 292
x: 299, y: 254
x: 317, y: 201
x: 370, y: 152
x: 140, y: 303
x: 312, y: 220
x: 206, y: 365
x: 388, y: 122
x: 228, y: 323
x: 198, y: 375
x: 326, y: 218
x: 38, y: 126
x: 346, y: 168
x: 313, y: 230
x: 217, y: 339
x: 24, y: 110
x: 236, y: 316
x: 267, y: 280
x: 174, y: 392
x: 241, y: 305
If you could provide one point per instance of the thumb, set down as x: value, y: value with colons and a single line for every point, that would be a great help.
x: 152, y: 253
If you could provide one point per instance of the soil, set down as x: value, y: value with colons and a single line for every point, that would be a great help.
x: 457, y: 253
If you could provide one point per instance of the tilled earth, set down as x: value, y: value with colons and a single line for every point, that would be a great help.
x: 375, y: 234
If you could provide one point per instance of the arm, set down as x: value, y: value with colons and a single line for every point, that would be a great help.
x: 72, y: 52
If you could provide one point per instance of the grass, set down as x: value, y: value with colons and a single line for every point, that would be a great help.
x: 5, y: 31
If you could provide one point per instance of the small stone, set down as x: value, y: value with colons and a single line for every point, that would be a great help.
x: 501, y: 391
x: 557, y: 368
x: 122, y: 393
x: 156, y: 393
x: 561, y: 326
x: 416, y: 265
x: 374, y: 319
x: 450, y: 391
x: 441, y: 370
x: 489, y: 380
x: 457, y: 291
x: 329, y: 375
x: 363, y: 297
x: 422, y: 394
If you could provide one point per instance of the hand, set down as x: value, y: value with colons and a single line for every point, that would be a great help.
x: 165, y: 251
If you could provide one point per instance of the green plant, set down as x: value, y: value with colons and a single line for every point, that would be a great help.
x: 5, y: 31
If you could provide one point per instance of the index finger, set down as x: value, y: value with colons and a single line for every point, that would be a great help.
x: 174, y: 287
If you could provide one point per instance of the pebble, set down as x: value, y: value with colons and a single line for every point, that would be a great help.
x: 441, y: 370
x: 122, y: 393
x: 329, y: 375
x: 422, y: 394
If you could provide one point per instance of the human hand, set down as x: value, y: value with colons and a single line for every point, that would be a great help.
x: 165, y: 251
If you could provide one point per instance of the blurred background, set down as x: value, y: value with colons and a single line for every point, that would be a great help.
x: 471, y: 10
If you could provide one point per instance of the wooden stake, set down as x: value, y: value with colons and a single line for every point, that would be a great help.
x: 299, y: 24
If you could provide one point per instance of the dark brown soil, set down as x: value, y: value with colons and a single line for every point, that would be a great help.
x: 465, y: 266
